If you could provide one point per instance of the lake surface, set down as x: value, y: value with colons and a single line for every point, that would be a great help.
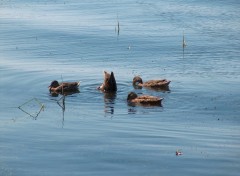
x: 100, y: 134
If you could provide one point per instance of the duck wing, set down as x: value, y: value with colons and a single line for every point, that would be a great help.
x: 68, y: 86
x: 148, y: 100
x: 157, y: 83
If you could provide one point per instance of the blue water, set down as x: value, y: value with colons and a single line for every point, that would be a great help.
x: 98, y: 134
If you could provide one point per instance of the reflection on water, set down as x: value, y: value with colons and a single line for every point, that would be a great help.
x: 158, y: 89
x: 132, y: 110
x: 109, y: 102
x: 56, y: 94
x: 61, y: 100
x: 61, y: 103
x: 145, y: 104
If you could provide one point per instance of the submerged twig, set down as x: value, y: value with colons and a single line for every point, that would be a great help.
x: 117, y: 28
x: 184, y: 44
x: 62, y: 86
x: 35, y: 114
x: 62, y: 105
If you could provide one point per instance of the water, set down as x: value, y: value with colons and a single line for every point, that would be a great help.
x: 98, y: 134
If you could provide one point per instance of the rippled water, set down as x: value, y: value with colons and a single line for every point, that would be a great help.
x: 100, y: 134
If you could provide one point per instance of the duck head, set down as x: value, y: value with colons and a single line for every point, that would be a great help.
x: 53, y: 84
x: 109, y: 83
x: 131, y: 96
x: 137, y: 80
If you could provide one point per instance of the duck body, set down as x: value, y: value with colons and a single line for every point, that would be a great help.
x: 146, y: 100
x: 109, y: 84
x: 162, y: 83
x: 63, y: 87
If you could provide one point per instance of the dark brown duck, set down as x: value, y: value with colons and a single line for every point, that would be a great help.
x: 63, y: 87
x: 109, y: 83
x: 144, y: 99
x: 162, y: 83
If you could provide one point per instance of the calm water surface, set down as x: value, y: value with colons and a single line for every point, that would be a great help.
x: 100, y: 134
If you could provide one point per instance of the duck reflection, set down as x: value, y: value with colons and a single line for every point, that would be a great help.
x: 132, y: 109
x: 157, y: 89
x: 56, y: 94
x: 109, y: 102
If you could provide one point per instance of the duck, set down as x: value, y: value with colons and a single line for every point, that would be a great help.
x: 63, y: 87
x: 146, y: 100
x: 109, y: 83
x: 153, y: 84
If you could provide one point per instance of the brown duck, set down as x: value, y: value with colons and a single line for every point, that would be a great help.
x: 63, y: 87
x: 109, y: 84
x: 144, y: 99
x: 154, y: 84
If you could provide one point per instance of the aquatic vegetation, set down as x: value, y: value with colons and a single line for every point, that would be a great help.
x: 184, y: 43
